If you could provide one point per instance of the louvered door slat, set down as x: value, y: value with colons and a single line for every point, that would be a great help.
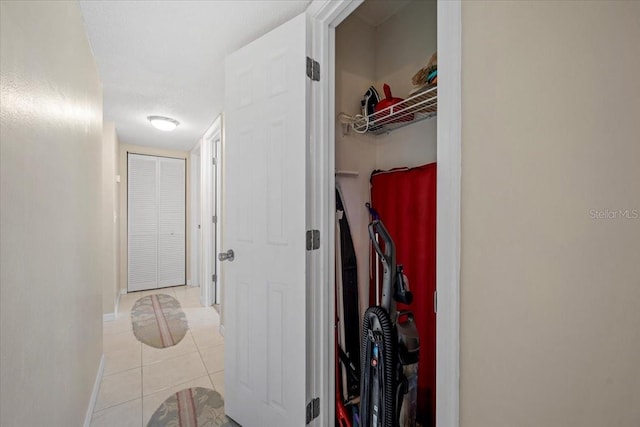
x: 171, y: 222
x: 142, y: 223
x: 156, y: 222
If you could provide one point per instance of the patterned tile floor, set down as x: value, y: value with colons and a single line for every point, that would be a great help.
x: 138, y: 378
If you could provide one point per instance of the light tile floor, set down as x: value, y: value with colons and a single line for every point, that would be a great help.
x: 138, y: 378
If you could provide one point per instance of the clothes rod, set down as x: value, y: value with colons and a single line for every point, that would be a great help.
x: 347, y: 173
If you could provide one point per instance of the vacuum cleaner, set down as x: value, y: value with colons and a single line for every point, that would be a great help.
x: 389, y: 346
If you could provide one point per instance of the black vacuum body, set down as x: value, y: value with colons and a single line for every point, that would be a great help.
x: 390, y: 347
x: 378, y: 369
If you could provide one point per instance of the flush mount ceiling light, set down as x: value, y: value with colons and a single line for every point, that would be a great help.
x: 163, y: 123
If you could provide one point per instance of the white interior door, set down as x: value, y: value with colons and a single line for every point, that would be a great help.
x: 265, y: 159
x: 142, y: 226
x: 171, y: 222
x: 156, y: 222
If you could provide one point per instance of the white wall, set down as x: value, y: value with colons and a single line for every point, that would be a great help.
x: 390, y: 53
x: 50, y: 219
x: 138, y: 149
x: 404, y: 44
x: 355, y: 70
x: 110, y: 218
x: 550, y: 294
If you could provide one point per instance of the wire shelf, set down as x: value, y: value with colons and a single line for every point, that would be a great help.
x: 419, y: 106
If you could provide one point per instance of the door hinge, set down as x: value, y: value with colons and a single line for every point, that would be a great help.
x: 313, y: 70
x: 214, y: 278
x: 435, y: 301
x: 214, y: 160
x: 313, y: 409
x: 214, y: 219
x: 313, y: 239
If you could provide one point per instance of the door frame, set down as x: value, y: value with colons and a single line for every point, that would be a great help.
x: 209, y: 204
x: 187, y: 220
x: 217, y: 153
x: 327, y: 15
x: 195, y: 278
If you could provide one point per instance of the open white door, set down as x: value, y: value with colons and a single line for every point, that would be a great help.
x: 265, y: 193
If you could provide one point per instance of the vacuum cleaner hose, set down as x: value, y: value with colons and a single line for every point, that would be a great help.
x: 376, y: 320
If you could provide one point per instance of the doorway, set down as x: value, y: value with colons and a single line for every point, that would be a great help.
x: 196, y: 220
x: 320, y: 215
x: 388, y: 162
x: 216, y: 230
x: 156, y: 232
x: 210, y: 218
x: 448, y: 204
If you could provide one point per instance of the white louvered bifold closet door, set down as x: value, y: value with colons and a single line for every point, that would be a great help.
x: 143, y: 222
x: 171, y: 223
x: 156, y: 222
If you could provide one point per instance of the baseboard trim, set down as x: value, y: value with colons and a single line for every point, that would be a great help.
x: 189, y: 282
x: 108, y: 317
x: 123, y: 291
x: 117, y: 304
x: 94, y: 393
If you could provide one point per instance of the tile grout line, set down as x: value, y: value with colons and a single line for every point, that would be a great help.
x: 141, y: 385
x: 95, y: 411
x: 199, y: 349
x: 203, y: 362
x: 114, y: 405
x: 200, y: 354
x: 142, y: 365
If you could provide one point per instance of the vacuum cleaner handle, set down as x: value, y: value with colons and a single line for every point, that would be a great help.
x: 388, y: 258
x: 377, y: 226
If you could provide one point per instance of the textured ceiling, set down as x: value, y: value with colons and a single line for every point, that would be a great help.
x: 167, y: 58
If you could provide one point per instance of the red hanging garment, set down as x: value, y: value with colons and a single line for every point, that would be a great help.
x: 406, y: 202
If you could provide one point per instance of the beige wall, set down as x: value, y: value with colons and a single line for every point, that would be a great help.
x: 138, y: 149
x: 110, y: 218
x: 50, y: 184
x: 355, y: 70
x: 403, y: 44
x: 550, y: 295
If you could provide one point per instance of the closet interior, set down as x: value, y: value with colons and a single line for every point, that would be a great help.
x: 385, y: 156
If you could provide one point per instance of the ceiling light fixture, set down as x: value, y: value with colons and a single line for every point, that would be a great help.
x: 163, y: 123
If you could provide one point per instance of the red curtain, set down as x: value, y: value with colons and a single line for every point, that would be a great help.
x: 406, y: 202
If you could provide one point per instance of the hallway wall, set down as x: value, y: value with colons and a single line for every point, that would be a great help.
x: 50, y: 185
x: 550, y: 274
x: 110, y: 218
